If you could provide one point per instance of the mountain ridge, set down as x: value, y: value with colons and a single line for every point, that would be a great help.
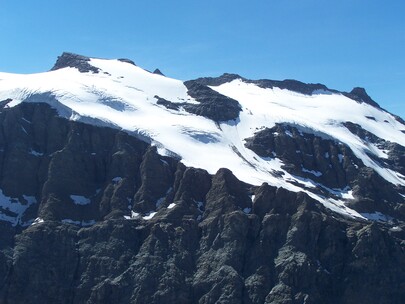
x: 69, y: 59
x: 233, y: 123
x: 118, y: 185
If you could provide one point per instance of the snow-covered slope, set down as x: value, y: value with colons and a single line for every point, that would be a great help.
x: 122, y: 95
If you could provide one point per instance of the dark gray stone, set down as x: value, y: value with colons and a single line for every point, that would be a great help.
x: 287, y: 248
x: 360, y: 95
x: 212, y: 104
x: 74, y: 61
x: 289, y: 84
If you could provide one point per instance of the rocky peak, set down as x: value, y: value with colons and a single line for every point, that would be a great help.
x: 288, y: 84
x: 213, y: 105
x: 74, y: 61
x: 127, y: 61
x: 158, y: 72
x: 100, y: 217
x: 217, y: 81
x: 292, y: 85
x: 360, y: 95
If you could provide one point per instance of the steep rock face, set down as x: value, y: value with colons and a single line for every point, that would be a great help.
x: 291, y: 252
x: 213, y: 239
x: 72, y: 170
x: 306, y: 154
x: 333, y: 166
x: 360, y: 95
x: 289, y: 84
x: 394, y: 158
x: 74, y: 61
x: 158, y: 72
x: 212, y: 104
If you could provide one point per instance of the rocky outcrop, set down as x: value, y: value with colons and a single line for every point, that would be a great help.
x: 360, y: 95
x: 395, y: 153
x: 127, y: 61
x: 314, y: 156
x: 288, y: 84
x: 74, y: 61
x: 212, y: 104
x: 308, y: 154
x: 167, y: 103
x: 108, y: 220
x: 158, y: 72
x: 4, y: 103
x: 287, y: 249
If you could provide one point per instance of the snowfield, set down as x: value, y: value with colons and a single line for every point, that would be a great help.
x: 122, y: 96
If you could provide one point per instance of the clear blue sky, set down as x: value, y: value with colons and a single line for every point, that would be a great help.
x: 341, y: 44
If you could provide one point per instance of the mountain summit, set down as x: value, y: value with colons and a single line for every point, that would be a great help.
x: 302, y: 137
x: 254, y: 190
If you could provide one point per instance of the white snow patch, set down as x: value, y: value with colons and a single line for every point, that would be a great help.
x: 340, y: 207
x: 80, y: 200
x: 38, y: 220
x: 247, y: 210
x: 12, y: 209
x: 288, y: 133
x: 347, y: 194
x: 316, y: 173
x: 322, y: 92
x: 377, y: 216
x: 171, y: 206
x: 79, y: 223
x: 374, y: 149
x: 116, y: 179
x: 149, y: 216
x: 35, y: 153
x: 132, y: 216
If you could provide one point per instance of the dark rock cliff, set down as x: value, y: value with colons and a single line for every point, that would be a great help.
x: 213, y: 239
x: 74, y: 61
x: 211, y: 104
x: 314, y: 156
x: 289, y: 84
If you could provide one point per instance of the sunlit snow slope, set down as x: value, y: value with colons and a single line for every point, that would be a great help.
x: 122, y: 95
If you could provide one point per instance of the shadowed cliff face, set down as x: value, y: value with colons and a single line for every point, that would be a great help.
x: 79, y: 226
x: 333, y: 166
x: 74, y: 61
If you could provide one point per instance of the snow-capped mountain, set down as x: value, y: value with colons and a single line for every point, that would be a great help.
x: 118, y: 185
x: 214, y: 123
